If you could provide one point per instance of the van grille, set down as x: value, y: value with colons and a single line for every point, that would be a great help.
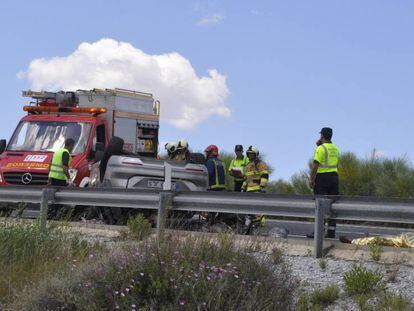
x: 35, y: 179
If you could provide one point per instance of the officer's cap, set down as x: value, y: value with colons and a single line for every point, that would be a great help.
x: 326, y: 131
x: 238, y: 148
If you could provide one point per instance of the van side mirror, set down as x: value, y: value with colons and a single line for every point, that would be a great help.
x: 3, y: 145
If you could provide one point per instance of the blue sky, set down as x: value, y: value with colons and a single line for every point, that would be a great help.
x: 292, y: 67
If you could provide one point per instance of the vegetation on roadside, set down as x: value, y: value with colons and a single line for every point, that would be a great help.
x: 376, y: 250
x: 322, y: 264
x: 385, y: 301
x: 372, y: 176
x: 361, y: 281
x: 172, y: 274
x: 139, y: 228
x: 27, y: 256
x: 318, y: 299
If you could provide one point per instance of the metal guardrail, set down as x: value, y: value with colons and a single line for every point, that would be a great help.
x: 339, y: 208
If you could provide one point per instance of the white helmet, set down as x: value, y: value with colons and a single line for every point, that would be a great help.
x: 254, y: 150
x: 171, y: 147
x: 182, y: 144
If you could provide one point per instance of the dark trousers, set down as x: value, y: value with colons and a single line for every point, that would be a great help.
x: 58, y: 182
x: 327, y: 184
x: 238, y: 185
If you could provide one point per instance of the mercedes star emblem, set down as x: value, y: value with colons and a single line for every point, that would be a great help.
x: 27, y: 178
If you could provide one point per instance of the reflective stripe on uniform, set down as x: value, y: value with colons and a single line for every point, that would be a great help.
x: 217, y: 184
x: 327, y: 159
x: 56, y: 167
x: 327, y: 155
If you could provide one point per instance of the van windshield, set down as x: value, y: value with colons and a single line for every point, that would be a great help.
x: 49, y: 136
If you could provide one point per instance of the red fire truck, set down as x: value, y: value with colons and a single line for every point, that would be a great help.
x: 91, y: 118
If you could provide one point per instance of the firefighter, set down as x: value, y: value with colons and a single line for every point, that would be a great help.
x: 237, y: 168
x: 256, y: 180
x: 217, y: 179
x: 324, y: 173
x: 215, y: 168
x: 59, y: 168
x: 182, y: 154
x: 171, y: 148
x: 257, y: 175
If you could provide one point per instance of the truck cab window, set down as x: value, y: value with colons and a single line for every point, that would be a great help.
x: 100, y: 134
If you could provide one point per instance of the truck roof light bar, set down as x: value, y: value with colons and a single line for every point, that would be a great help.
x: 91, y: 110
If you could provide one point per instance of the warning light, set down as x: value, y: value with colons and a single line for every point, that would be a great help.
x: 40, y: 109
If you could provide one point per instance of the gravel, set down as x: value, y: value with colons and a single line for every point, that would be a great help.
x: 400, y: 278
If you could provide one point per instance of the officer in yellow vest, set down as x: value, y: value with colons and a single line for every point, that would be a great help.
x: 237, y: 168
x: 324, y: 173
x: 59, y: 168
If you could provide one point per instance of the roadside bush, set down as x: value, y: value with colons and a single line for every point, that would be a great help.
x: 386, y: 301
x: 139, y: 227
x: 325, y: 296
x: 376, y: 250
x: 360, y: 281
x: 390, y: 301
x: 173, y: 274
x: 372, y: 176
x: 318, y: 299
x: 26, y: 256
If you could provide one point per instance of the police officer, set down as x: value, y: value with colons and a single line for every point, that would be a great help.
x: 59, y: 168
x: 215, y: 168
x: 324, y: 173
x: 237, y: 167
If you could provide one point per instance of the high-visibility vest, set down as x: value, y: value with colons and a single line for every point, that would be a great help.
x: 56, y: 167
x: 327, y: 155
x: 239, y: 163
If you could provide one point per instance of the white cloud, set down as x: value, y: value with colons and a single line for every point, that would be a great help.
x: 211, y: 19
x: 186, y: 99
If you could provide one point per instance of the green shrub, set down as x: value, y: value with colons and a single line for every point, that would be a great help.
x: 318, y: 299
x: 360, y: 280
x: 386, y: 301
x: 303, y: 302
x: 139, y: 227
x: 372, y: 176
x: 325, y: 296
x: 375, y: 250
x: 394, y: 302
x: 362, y: 302
x: 26, y: 256
x: 322, y: 263
x: 277, y: 256
x: 173, y: 274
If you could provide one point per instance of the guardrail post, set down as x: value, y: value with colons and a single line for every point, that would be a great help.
x: 323, y: 206
x: 164, y: 203
x: 167, y: 176
x: 48, y: 195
